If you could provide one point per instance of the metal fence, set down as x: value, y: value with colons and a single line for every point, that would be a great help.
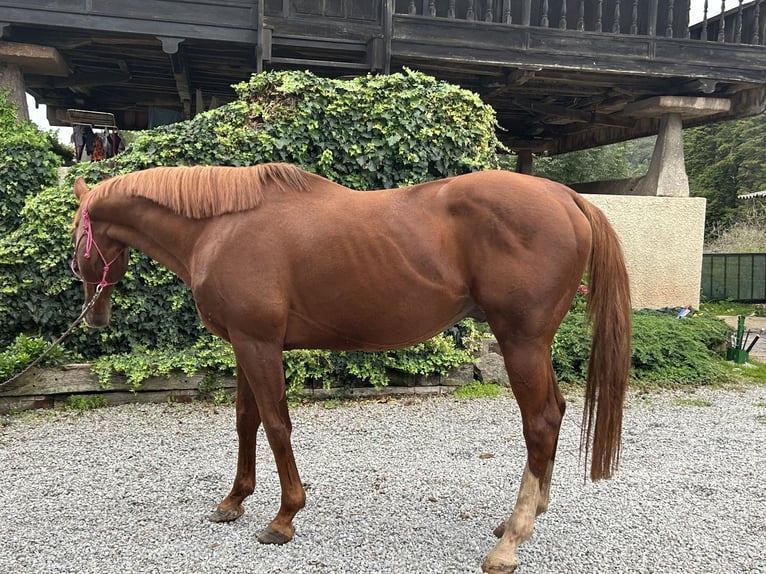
x: 734, y: 276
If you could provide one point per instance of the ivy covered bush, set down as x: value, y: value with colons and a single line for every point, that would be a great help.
x: 27, y: 163
x: 367, y: 133
x: 370, y: 132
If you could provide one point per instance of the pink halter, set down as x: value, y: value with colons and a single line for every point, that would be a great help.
x: 90, y: 242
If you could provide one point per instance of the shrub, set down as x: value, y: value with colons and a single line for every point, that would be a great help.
x: 23, y: 351
x: 666, y: 350
x: 27, y: 163
x: 366, y: 133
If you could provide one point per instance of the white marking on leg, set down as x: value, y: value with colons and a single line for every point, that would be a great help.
x: 545, y: 490
x: 502, y: 558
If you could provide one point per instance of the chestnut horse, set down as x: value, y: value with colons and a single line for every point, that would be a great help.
x: 278, y: 258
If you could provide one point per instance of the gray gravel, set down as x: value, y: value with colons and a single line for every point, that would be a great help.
x: 395, y: 486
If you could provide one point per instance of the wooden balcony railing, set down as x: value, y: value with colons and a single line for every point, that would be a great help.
x: 669, y: 18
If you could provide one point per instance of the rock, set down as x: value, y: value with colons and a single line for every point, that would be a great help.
x: 490, y: 367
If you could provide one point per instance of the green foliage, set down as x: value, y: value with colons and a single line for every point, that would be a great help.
x: 361, y: 132
x: 724, y: 160
x: 302, y: 367
x: 86, y: 402
x: 477, y: 390
x: 571, y: 348
x: 373, y: 131
x: 27, y: 164
x: 208, y: 354
x: 596, y: 164
x: 366, y: 133
x: 306, y: 367
x: 666, y: 350
x: 23, y: 351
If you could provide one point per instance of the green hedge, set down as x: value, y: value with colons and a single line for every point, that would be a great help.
x: 367, y: 133
x: 666, y: 350
x: 27, y: 164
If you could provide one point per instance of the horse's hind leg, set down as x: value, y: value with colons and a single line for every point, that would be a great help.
x: 545, y: 487
x: 542, y: 408
x: 248, y: 421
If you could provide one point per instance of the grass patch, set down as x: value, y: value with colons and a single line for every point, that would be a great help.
x: 479, y: 391
x: 727, y: 308
x: 750, y: 373
x: 86, y: 402
x: 332, y: 403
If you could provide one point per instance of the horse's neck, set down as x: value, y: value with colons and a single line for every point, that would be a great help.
x: 168, y: 239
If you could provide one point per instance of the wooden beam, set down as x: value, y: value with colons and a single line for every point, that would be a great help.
x: 569, y: 115
x: 34, y: 59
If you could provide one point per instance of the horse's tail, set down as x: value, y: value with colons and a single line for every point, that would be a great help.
x: 609, y: 314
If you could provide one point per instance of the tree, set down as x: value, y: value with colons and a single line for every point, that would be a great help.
x: 616, y: 161
x: 725, y: 160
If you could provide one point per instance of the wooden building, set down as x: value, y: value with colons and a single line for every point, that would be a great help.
x: 562, y: 74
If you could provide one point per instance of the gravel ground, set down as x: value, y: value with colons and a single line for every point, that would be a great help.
x: 394, y: 486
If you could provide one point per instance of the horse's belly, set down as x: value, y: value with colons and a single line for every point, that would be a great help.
x: 375, y: 329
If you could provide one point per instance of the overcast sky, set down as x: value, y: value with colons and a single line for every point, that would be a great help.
x: 696, y: 13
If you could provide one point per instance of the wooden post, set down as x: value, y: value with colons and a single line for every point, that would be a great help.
x: 259, y: 47
x: 652, y: 23
x: 526, y: 12
x: 388, y: 27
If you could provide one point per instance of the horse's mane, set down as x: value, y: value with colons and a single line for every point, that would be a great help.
x: 206, y: 191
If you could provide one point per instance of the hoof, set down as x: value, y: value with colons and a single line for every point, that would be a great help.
x: 502, y: 559
x: 270, y: 536
x: 221, y: 515
x: 495, y: 568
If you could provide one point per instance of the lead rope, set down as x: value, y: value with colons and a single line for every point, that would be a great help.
x: 85, y: 308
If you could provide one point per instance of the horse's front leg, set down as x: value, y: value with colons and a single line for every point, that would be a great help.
x: 262, y: 365
x: 248, y: 421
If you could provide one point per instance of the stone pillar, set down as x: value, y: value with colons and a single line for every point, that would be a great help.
x: 667, y: 171
x: 12, y: 82
x: 524, y: 161
x: 16, y: 59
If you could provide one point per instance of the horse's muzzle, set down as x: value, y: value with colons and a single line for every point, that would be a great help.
x: 98, y: 319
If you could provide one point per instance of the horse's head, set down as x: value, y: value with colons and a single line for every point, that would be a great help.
x: 99, y: 260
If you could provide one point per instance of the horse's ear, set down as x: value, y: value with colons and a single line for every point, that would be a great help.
x: 80, y: 188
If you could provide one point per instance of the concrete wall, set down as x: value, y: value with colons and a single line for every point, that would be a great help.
x: 662, y: 239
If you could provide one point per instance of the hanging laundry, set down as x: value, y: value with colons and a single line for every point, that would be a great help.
x: 78, y: 142
x: 98, y: 150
